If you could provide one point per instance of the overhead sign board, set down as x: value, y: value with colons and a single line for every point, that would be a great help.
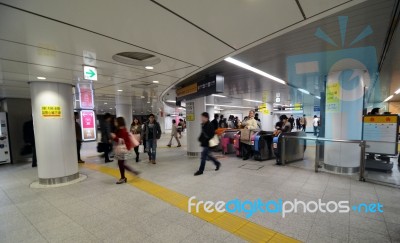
x: 210, y: 85
x: 90, y: 73
x: 88, y: 125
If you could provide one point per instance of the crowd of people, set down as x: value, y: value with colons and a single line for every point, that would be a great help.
x: 115, y: 135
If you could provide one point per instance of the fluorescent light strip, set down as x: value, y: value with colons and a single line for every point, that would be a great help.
x: 256, y: 101
x: 304, y: 91
x: 230, y: 106
x: 397, y: 91
x: 171, y: 101
x: 388, y: 98
x: 217, y: 95
x: 318, y: 97
x: 255, y: 70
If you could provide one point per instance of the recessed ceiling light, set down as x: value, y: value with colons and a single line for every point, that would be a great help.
x: 41, y: 78
x: 148, y: 102
x: 304, y: 91
x: 231, y: 106
x: 217, y: 95
x: 120, y: 90
x: 105, y: 103
x: 388, y: 98
x: 142, y: 97
x: 255, y: 101
x: 111, y: 108
x: 149, y: 67
x: 156, y: 82
x: 253, y: 69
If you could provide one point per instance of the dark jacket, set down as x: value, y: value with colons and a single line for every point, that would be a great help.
x: 157, y: 131
x: 105, y: 132
x: 29, y: 134
x: 78, y: 132
x: 215, y: 124
x: 207, y: 132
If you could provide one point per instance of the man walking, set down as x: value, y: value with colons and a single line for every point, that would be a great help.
x: 106, y: 140
x: 151, y: 133
x: 207, y: 133
x: 174, y: 134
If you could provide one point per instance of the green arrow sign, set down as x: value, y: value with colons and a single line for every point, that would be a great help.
x: 91, y: 73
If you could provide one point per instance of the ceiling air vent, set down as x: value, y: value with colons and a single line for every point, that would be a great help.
x: 144, y: 85
x: 136, y: 58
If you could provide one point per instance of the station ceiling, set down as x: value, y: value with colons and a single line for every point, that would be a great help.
x: 53, y: 39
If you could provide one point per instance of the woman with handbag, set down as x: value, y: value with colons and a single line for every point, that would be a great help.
x: 125, y: 142
x: 136, y: 130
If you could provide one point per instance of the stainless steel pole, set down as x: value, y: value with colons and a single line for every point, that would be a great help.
x: 317, y: 148
x: 283, y: 150
x: 362, y: 160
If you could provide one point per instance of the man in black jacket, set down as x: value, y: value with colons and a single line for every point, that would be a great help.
x: 207, y: 133
x: 215, y: 122
x: 151, y: 133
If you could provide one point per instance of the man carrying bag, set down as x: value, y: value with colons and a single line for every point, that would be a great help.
x: 207, y: 134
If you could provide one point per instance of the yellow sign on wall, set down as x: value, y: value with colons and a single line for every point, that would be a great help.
x: 51, y: 111
x: 333, y: 97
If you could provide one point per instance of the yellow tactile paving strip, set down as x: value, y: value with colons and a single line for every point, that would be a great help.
x: 236, y: 225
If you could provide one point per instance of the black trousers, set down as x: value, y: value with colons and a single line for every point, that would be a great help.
x: 247, y: 151
x: 34, y: 159
x: 107, y: 150
x: 78, y: 149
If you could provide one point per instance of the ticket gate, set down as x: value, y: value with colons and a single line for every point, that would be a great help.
x: 227, y: 141
x: 263, y: 146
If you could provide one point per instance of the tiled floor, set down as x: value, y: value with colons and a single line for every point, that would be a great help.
x: 97, y: 210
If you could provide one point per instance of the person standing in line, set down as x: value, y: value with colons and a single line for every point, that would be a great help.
x: 207, y: 133
x: 221, y: 121
x: 106, y: 139
x: 122, y: 135
x: 315, y: 125
x: 291, y: 121
x: 248, y: 123
x: 215, y: 122
x: 174, y: 134
x: 303, y: 123
x: 151, y: 132
x: 256, y: 117
x: 78, y: 134
x: 231, y: 122
x: 136, y: 130
x: 29, y: 138
x: 285, y: 124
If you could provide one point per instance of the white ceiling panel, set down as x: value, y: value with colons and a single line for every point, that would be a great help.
x: 313, y: 7
x: 140, y: 22
x: 237, y: 22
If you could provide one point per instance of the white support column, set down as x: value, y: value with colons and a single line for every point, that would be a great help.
x: 123, y: 108
x: 266, y: 119
x: 194, y: 128
x: 54, y: 136
x: 210, y: 109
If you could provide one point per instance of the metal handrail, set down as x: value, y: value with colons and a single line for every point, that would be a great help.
x: 361, y: 143
x: 334, y: 140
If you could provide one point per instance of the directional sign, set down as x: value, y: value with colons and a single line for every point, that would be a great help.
x: 90, y: 73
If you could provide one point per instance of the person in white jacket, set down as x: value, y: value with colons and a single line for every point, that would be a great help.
x: 174, y: 134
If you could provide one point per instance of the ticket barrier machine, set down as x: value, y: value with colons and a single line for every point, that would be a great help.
x: 263, y: 146
x: 236, y: 144
x: 294, y: 148
x: 227, y: 141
